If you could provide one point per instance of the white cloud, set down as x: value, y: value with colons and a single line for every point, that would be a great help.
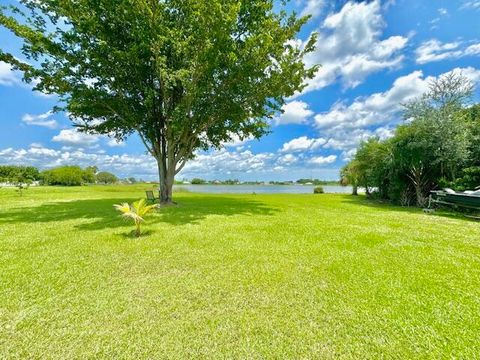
x: 472, y: 4
x: 223, y: 161
x: 435, y: 50
x: 470, y: 73
x: 294, y: 112
x: 375, y: 109
x: 141, y: 166
x: 323, y: 160
x: 8, y: 76
x: 43, y: 120
x: 214, y: 164
x: 115, y: 143
x: 72, y: 137
x: 287, y: 159
x: 313, y: 8
x: 350, y: 47
x: 302, y: 143
x: 236, y: 141
x: 346, y: 126
x: 443, y: 11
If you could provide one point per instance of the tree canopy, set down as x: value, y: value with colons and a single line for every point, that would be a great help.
x: 437, y: 146
x: 182, y: 74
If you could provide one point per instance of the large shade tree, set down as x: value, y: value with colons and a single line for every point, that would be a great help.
x: 182, y: 74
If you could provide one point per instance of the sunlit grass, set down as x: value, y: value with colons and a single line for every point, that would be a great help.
x: 234, y: 276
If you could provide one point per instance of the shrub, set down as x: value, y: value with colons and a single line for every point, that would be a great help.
x: 15, y: 174
x: 197, y: 181
x: 318, y: 190
x: 136, y: 211
x: 105, y: 177
x: 65, y: 175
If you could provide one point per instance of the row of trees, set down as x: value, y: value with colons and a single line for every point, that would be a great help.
x: 15, y: 174
x: 438, y: 146
x: 64, y: 175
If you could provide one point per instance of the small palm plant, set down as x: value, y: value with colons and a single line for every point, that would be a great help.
x: 136, y: 211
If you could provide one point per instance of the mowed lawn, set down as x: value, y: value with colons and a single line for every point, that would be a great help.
x: 234, y: 276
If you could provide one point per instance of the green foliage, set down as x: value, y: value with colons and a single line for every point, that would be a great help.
x: 198, y: 181
x: 184, y: 75
x: 137, y: 212
x: 105, y: 177
x: 318, y: 190
x: 437, y: 147
x: 14, y: 174
x: 21, y: 186
x: 350, y: 175
x: 469, y: 179
x: 316, y: 182
x: 67, y: 176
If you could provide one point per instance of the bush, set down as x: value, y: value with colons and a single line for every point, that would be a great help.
x: 105, y: 177
x: 16, y: 174
x: 318, y: 190
x: 65, y: 175
x: 197, y: 181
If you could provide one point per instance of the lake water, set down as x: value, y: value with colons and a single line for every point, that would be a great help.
x: 263, y: 189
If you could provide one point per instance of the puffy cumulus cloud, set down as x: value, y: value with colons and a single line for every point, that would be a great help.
x: 214, y: 164
x: 236, y: 141
x: 8, y: 76
x: 287, y: 159
x: 350, y: 47
x: 248, y: 164
x: 347, y: 140
x: 294, y: 112
x: 381, y: 108
x: 312, y: 7
x: 470, y: 73
x: 375, y: 109
x: 123, y: 165
x: 223, y: 161
x: 345, y: 126
x: 115, y: 143
x: 302, y: 143
x: 434, y: 50
x: 43, y: 120
x: 323, y: 160
x: 72, y: 137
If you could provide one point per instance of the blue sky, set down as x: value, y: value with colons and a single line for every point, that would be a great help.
x: 374, y: 55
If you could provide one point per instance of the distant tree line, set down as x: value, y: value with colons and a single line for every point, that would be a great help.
x: 13, y: 174
x: 438, y: 146
x: 200, y: 181
x: 63, y: 175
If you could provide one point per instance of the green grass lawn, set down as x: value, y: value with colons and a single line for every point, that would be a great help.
x: 234, y: 276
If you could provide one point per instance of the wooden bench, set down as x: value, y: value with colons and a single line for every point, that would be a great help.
x: 151, y: 196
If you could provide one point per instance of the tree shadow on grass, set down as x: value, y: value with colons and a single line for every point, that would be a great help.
x: 386, y: 206
x: 102, y: 215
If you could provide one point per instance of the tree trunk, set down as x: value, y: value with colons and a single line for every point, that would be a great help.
x: 417, y: 177
x: 355, y: 189
x: 166, y: 178
x: 421, y: 199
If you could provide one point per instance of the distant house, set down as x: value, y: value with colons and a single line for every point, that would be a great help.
x: 308, y: 183
x: 186, y: 182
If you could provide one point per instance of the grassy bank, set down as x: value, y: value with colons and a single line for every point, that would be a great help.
x: 234, y: 276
